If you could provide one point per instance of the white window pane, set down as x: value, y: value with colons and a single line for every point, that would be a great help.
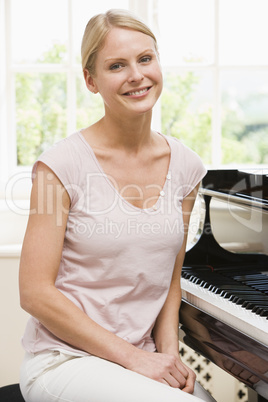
x: 83, y: 10
x: 243, y: 32
x: 35, y: 27
x: 186, y: 110
x: 40, y: 113
x: 186, y: 33
x: 89, y: 106
x: 245, y: 116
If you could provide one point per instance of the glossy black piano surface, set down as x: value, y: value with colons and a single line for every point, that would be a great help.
x: 224, y: 313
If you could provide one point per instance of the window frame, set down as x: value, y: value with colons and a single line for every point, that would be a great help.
x: 148, y: 11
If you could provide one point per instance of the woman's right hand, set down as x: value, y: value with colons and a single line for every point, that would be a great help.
x: 162, y: 367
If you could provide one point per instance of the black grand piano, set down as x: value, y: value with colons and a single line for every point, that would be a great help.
x: 224, y: 312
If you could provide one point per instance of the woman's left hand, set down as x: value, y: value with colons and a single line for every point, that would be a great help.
x: 190, y: 379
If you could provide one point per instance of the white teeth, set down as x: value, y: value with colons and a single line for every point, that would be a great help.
x: 138, y: 92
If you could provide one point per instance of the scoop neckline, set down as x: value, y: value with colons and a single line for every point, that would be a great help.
x: 154, y: 207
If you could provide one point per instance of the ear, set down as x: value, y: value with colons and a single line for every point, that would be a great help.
x: 90, y: 83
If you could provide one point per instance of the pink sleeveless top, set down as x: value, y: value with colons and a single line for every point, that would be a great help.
x: 117, y: 259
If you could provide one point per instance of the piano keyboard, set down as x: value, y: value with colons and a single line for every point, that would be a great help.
x: 240, y: 301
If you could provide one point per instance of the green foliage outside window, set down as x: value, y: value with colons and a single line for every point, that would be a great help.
x: 89, y: 107
x: 179, y: 119
x: 245, y: 129
x: 41, y: 115
x: 40, y: 109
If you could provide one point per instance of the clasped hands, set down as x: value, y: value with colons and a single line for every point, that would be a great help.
x: 165, y: 368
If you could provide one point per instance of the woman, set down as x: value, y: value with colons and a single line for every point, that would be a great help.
x: 103, y: 251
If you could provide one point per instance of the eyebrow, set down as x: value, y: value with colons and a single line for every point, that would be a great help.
x: 111, y: 59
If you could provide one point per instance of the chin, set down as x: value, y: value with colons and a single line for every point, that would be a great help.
x: 143, y: 109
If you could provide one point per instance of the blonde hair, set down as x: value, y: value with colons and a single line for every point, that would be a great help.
x: 99, y: 26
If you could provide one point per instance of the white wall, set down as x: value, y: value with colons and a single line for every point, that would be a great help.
x: 12, y: 317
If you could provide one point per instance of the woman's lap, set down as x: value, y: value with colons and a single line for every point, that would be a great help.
x: 54, y: 376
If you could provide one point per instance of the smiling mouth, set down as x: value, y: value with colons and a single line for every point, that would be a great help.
x: 140, y: 92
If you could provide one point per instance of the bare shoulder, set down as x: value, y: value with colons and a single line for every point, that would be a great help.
x: 48, y: 197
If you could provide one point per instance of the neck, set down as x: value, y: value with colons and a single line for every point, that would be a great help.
x: 129, y: 134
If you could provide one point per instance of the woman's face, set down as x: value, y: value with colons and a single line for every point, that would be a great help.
x: 128, y: 74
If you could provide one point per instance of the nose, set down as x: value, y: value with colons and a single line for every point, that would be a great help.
x: 135, y: 73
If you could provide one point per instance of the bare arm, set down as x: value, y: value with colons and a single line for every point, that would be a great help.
x: 40, y: 259
x: 167, y: 325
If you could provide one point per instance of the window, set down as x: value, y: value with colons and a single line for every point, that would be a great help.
x: 216, y: 70
x: 244, y: 81
x: 215, y: 66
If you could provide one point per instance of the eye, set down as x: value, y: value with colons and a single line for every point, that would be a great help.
x: 146, y: 59
x: 116, y: 66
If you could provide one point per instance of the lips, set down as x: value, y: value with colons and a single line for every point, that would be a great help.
x: 137, y: 92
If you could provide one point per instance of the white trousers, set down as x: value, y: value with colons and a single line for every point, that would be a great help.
x: 55, y: 376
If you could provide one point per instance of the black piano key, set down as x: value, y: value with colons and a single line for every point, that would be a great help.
x: 252, y: 298
x: 225, y: 294
x: 258, y: 310
x: 254, y: 305
x: 197, y: 281
x: 262, y: 309
x: 261, y: 289
x: 261, y: 286
x: 248, y: 306
x: 255, y: 296
x: 235, y: 287
x: 192, y: 278
x: 204, y: 284
x: 238, y: 301
x: 257, y: 277
x: 185, y: 274
x: 262, y: 312
x: 239, y: 298
x: 236, y: 290
x: 217, y: 291
x: 264, y: 291
x: 212, y: 288
x: 256, y: 299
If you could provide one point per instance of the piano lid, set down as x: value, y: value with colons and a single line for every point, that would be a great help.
x: 250, y: 189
